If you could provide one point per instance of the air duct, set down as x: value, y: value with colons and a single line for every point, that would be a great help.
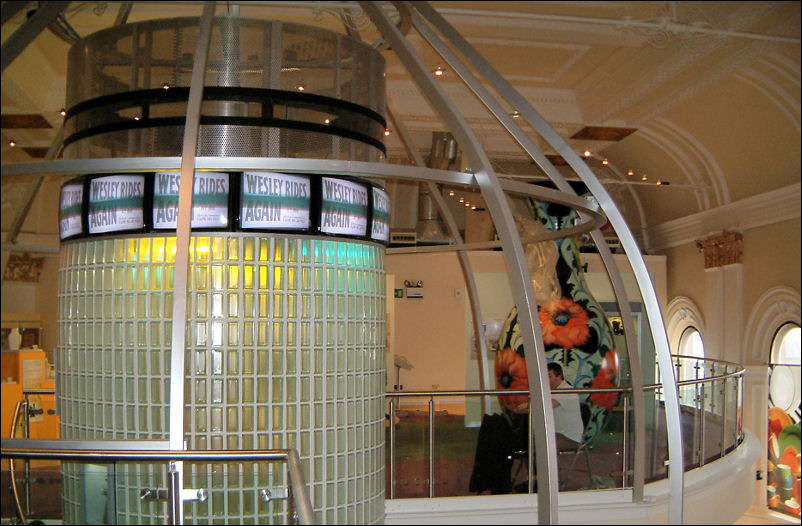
x: 443, y: 156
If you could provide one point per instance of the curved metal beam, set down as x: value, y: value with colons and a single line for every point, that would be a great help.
x: 534, y: 152
x: 520, y: 278
x: 676, y: 466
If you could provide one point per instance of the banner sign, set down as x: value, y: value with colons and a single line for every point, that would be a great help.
x: 69, y: 213
x: 209, y: 200
x: 274, y: 201
x: 116, y: 203
x: 380, y: 229
x: 344, y: 207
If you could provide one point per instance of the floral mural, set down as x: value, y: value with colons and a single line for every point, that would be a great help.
x: 576, y: 331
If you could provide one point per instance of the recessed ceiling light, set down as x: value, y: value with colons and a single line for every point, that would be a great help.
x: 587, y: 153
x: 643, y: 178
x: 300, y: 87
x: 515, y: 115
x: 12, y: 143
x: 62, y: 112
x: 461, y: 199
x: 166, y: 85
x: 327, y: 121
x: 631, y: 172
x: 451, y: 192
x: 605, y: 162
x: 438, y: 71
x: 387, y: 132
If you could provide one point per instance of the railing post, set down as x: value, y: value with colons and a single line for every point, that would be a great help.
x: 702, y: 426
x: 392, y: 447
x: 723, y: 414
x: 625, y: 444
x: 431, y: 446
x: 174, y: 500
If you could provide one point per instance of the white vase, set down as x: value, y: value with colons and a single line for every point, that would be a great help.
x: 14, y: 339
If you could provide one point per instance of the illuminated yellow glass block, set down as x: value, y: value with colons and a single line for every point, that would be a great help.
x: 284, y: 348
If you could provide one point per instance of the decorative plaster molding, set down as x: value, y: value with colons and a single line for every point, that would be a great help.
x: 742, y: 215
x: 22, y: 267
x: 723, y: 249
x: 775, y: 307
x: 682, y: 313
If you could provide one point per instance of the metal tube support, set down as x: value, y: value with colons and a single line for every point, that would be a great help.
x: 392, y: 447
x: 723, y: 415
x: 534, y: 152
x: 431, y: 446
x: 702, y: 429
x: 179, y: 311
x: 530, y: 454
x: 520, y: 278
x: 174, y: 501
x: 625, y: 444
x: 27, y: 434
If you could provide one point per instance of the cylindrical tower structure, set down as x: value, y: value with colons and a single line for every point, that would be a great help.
x: 286, y: 297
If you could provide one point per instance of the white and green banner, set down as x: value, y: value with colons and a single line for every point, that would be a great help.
x: 380, y: 230
x: 274, y: 201
x: 344, y: 207
x: 116, y: 203
x: 209, y: 200
x: 69, y: 212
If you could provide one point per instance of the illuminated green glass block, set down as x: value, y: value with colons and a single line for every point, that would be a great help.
x: 285, y: 338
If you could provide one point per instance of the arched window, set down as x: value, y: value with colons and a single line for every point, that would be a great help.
x: 691, y: 344
x: 785, y: 348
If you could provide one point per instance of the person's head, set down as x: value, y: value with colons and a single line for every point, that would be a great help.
x: 555, y: 374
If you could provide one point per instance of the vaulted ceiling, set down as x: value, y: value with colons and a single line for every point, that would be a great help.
x: 702, y: 95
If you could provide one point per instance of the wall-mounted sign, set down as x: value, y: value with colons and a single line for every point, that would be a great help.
x: 69, y: 212
x: 380, y: 229
x: 274, y: 201
x: 343, y: 208
x: 116, y: 203
x: 209, y: 200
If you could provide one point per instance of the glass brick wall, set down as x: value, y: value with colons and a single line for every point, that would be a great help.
x: 284, y: 349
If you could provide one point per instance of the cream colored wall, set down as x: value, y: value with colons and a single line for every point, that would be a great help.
x: 771, y: 258
x: 429, y: 331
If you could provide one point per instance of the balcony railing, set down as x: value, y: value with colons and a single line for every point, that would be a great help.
x: 711, y: 409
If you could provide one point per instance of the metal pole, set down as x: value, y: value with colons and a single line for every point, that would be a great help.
x: 27, y: 434
x: 431, y: 446
x: 723, y: 415
x: 174, y: 502
x: 179, y: 311
x: 702, y: 428
x: 625, y: 444
x: 392, y: 447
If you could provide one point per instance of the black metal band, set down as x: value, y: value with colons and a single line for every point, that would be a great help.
x: 360, y: 116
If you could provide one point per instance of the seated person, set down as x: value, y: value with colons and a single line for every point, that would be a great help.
x: 568, y: 423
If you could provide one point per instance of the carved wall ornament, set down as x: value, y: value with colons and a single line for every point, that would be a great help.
x: 22, y: 267
x: 723, y: 249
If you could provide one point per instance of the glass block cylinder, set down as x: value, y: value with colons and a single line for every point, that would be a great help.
x: 284, y: 349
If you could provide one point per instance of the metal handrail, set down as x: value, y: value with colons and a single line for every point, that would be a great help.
x: 48, y: 449
x: 393, y: 395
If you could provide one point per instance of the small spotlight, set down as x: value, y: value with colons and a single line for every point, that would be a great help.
x: 659, y: 182
x: 587, y: 153
x: 62, y: 112
x: 605, y: 162
x: 327, y: 121
x: 515, y: 115
x: 387, y: 132
x: 461, y: 199
x: 451, y: 192
x: 438, y: 71
x: 631, y: 172
x: 300, y: 87
x: 643, y: 178
x: 473, y: 207
x: 12, y: 143
x: 467, y: 203
x: 136, y: 117
x: 166, y: 85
